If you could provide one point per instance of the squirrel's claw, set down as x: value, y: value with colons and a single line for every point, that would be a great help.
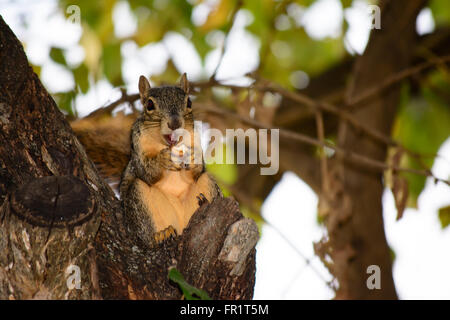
x: 164, y: 235
x: 202, y: 199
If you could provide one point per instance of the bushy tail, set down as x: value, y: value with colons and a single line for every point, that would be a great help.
x: 107, y: 143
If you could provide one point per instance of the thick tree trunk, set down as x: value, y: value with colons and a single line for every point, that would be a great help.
x: 60, y: 220
x: 356, y: 237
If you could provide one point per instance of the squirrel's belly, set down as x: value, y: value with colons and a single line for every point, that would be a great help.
x: 173, y: 200
x: 163, y: 209
x: 174, y: 187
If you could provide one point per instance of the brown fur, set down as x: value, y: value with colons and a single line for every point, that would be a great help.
x: 173, y: 206
x: 107, y: 143
x: 150, y: 142
x: 172, y: 200
x: 158, y: 194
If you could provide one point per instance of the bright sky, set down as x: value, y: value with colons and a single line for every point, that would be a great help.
x: 421, y: 268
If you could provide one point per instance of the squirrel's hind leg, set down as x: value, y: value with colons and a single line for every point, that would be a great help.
x: 202, y: 191
x: 150, y: 214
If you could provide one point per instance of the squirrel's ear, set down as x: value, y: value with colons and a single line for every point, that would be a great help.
x: 144, y: 86
x: 184, y: 83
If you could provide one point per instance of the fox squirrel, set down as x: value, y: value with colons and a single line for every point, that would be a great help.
x: 159, y: 192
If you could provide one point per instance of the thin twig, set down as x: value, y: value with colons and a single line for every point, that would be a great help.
x: 265, y: 86
x: 402, y: 75
x: 305, y: 100
x: 110, y: 107
x: 323, y: 156
x: 301, y: 98
x: 348, y: 155
x: 306, y: 259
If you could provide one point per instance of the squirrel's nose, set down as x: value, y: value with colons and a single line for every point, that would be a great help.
x: 174, y: 123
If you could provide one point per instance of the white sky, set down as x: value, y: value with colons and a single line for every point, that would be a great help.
x: 422, y: 260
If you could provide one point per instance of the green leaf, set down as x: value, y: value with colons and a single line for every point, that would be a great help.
x: 64, y: 101
x: 199, y: 41
x: 263, y: 13
x: 162, y: 16
x: 57, y: 55
x: 224, y: 173
x: 149, y: 30
x: 392, y: 254
x: 444, y: 216
x: 190, y: 292
x: 81, y: 75
x: 305, y: 3
x: 441, y: 11
x: 36, y: 69
x: 346, y: 3
x: 422, y: 126
x: 112, y: 63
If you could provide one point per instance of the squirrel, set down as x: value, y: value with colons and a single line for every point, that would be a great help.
x: 160, y: 194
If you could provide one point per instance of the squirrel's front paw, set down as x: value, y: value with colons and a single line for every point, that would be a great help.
x: 167, y: 162
x: 164, y: 235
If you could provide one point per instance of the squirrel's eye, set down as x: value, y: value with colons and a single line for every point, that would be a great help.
x: 189, y: 103
x: 150, y: 105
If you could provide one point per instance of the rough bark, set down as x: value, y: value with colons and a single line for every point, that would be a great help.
x: 356, y: 237
x: 57, y: 214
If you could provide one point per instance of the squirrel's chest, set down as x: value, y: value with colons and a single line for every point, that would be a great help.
x: 175, y: 183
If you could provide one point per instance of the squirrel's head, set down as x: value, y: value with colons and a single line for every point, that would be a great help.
x: 167, y: 107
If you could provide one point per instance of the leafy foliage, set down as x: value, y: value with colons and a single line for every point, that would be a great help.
x: 422, y: 126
